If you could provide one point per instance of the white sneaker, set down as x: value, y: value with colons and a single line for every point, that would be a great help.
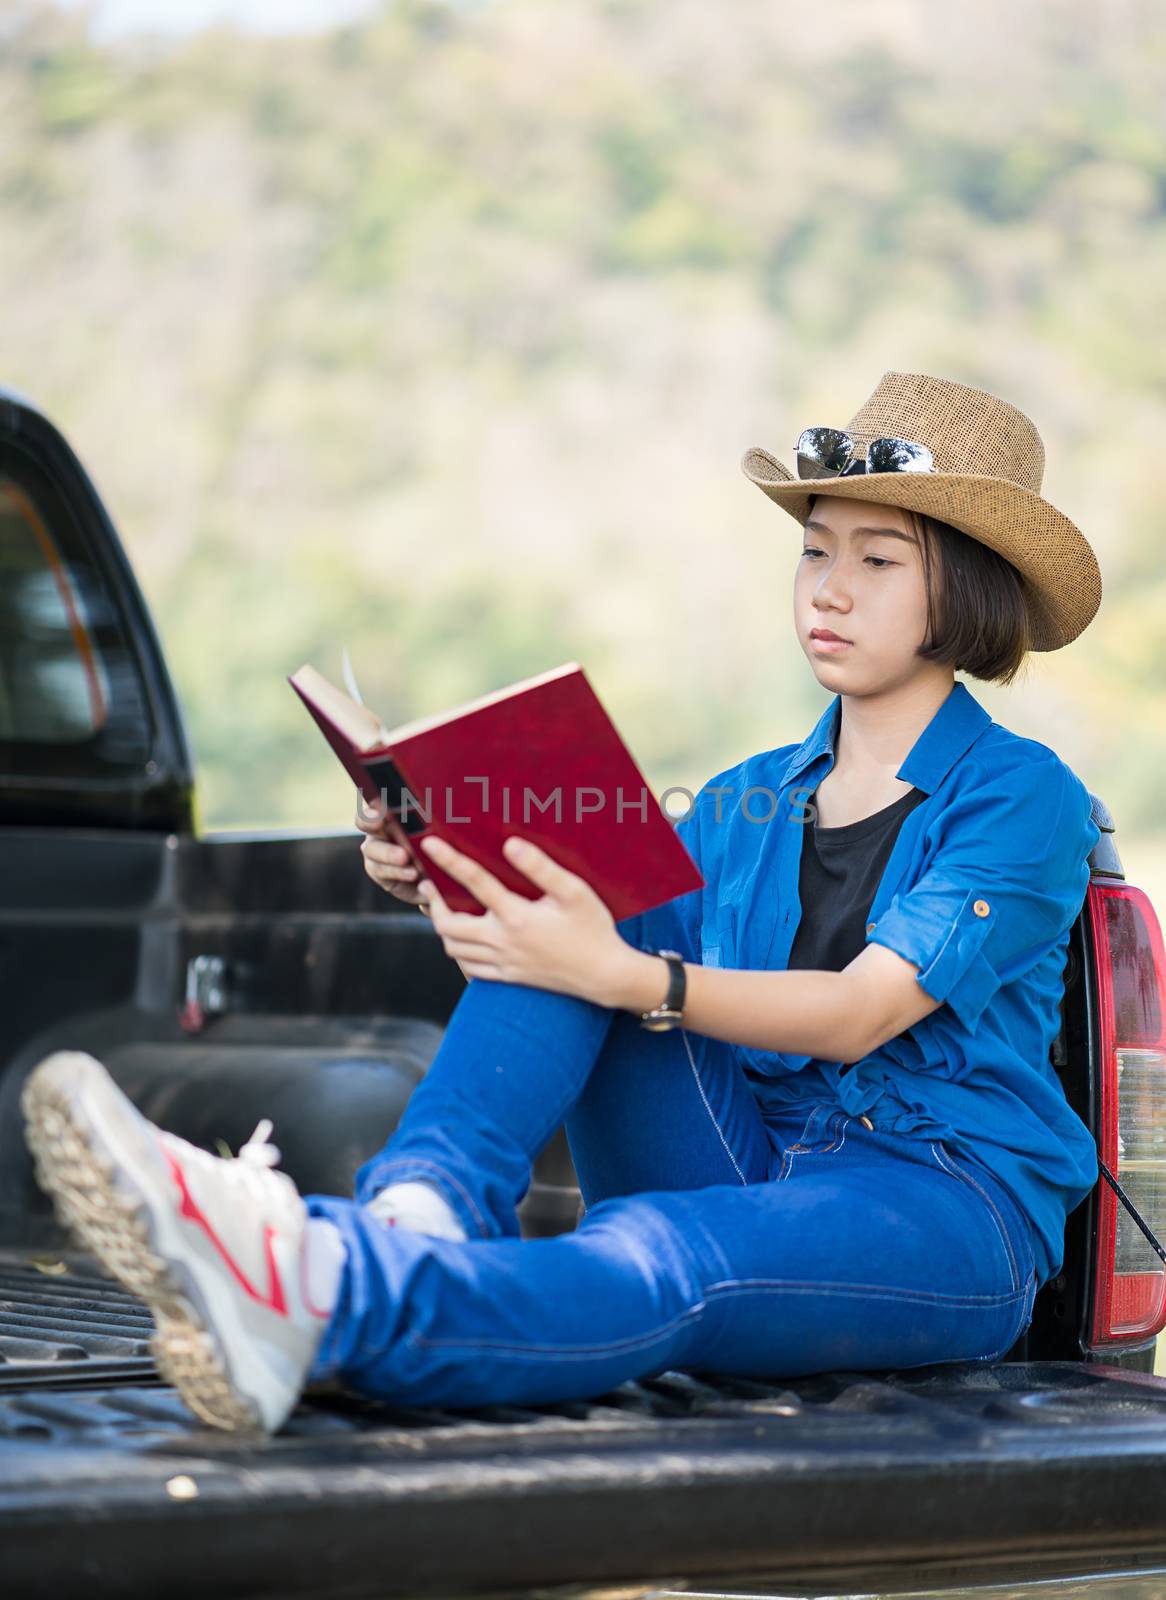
x: 214, y: 1247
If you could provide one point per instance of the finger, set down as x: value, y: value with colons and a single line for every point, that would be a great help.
x: 429, y: 898
x: 540, y: 868
x: 467, y: 926
x: 387, y: 855
x: 404, y: 892
x: 373, y: 830
x: 403, y: 887
x: 483, y: 885
x: 391, y: 877
x: 370, y: 814
x: 395, y: 876
x: 386, y: 850
x: 465, y: 950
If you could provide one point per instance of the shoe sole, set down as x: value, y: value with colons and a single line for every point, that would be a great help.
x: 114, y: 1222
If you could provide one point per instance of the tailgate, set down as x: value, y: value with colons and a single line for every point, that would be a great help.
x: 107, y: 1484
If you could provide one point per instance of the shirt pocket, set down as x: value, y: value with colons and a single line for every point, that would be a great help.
x: 718, y: 938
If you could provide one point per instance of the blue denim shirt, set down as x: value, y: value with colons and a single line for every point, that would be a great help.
x: 986, y: 878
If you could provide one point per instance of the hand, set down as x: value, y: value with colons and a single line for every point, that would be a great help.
x: 387, y: 864
x: 566, y: 940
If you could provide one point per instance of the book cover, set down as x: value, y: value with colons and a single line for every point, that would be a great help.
x: 541, y: 759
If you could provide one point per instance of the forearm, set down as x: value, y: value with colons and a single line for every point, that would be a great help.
x: 799, y: 1013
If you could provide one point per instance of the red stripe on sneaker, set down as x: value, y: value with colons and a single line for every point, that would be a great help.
x: 274, y: 1300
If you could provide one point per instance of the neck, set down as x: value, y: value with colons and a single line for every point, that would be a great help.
x: 877, y: 732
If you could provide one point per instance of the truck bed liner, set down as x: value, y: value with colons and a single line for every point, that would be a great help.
x: 684, y: 1474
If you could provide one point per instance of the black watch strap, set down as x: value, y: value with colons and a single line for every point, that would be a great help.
x: 670, y: 1013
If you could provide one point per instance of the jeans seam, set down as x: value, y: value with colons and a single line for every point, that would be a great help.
x: 704, y: 1101
x: 562, y: 1352
x: 805, y: 1149
x: 949, y: 1166
x: 841, y: 1140
x: 733, y: 1286
x: 797, y: 1148
x: 431, y: 1166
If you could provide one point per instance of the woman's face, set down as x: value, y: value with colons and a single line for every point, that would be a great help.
x: 860, y: 576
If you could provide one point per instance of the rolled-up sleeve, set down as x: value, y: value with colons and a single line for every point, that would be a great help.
x: 1005, y: 881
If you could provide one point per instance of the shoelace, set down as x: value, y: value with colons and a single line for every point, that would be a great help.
x: 256, y: 1159
x: 252, y: 1168
x: 258, y: 1150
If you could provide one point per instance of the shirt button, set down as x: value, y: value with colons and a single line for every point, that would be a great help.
x: 870, y: 927
x: 981, y: 908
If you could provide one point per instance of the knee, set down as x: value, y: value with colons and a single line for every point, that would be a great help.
x: 653, y: 1230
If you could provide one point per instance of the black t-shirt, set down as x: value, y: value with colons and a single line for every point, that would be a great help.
x: 839, y: 874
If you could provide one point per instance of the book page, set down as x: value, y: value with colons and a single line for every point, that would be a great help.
x: 420, y: 724
x: 362, y: 726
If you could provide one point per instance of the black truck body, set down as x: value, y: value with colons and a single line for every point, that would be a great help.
x: 226, y: 977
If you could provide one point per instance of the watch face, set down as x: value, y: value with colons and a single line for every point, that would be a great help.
x: 659, y: 1022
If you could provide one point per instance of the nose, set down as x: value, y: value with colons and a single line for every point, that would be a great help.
x: 832, y: 591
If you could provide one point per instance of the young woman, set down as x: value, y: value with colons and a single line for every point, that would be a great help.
x: 822, y: 1130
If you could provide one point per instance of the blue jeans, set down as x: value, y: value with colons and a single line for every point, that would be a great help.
x: 717, y: 1237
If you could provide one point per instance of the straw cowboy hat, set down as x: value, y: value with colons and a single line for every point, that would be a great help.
x: 984, y: 479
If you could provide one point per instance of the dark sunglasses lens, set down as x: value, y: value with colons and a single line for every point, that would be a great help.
x: 823, y: 452
x: 898, y: 455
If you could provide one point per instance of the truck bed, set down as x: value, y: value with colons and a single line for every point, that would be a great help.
x: 680, y: 1475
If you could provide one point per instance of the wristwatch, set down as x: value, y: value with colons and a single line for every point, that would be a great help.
x: 671, y: 1013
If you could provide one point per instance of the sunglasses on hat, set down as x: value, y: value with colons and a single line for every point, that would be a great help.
x: 829, y: 453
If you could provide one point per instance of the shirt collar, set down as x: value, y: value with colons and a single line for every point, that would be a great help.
x: 956, y: 725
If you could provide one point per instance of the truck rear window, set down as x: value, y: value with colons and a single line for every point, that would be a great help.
x: 54, y: 688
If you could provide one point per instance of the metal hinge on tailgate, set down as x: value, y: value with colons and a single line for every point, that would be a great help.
x: 206, y: 992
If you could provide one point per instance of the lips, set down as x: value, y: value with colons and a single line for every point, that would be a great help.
x: 825, y: 633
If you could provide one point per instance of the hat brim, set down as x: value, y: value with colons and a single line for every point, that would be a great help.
x: 1046, y: 548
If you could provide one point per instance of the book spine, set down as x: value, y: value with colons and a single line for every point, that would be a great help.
x: 406, y: 821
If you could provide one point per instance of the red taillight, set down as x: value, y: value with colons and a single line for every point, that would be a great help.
x: 1129, y: 1299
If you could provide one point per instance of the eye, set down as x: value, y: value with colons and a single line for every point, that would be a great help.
x: 879, y: 561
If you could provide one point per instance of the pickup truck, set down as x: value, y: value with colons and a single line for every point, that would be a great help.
x: 225, y: 976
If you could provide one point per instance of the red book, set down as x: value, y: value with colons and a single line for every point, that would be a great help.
x: 540, y: 759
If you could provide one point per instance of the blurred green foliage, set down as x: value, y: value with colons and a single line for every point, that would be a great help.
x: 441, y: 337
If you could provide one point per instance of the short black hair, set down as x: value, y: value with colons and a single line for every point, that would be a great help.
x: 978, y: 617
